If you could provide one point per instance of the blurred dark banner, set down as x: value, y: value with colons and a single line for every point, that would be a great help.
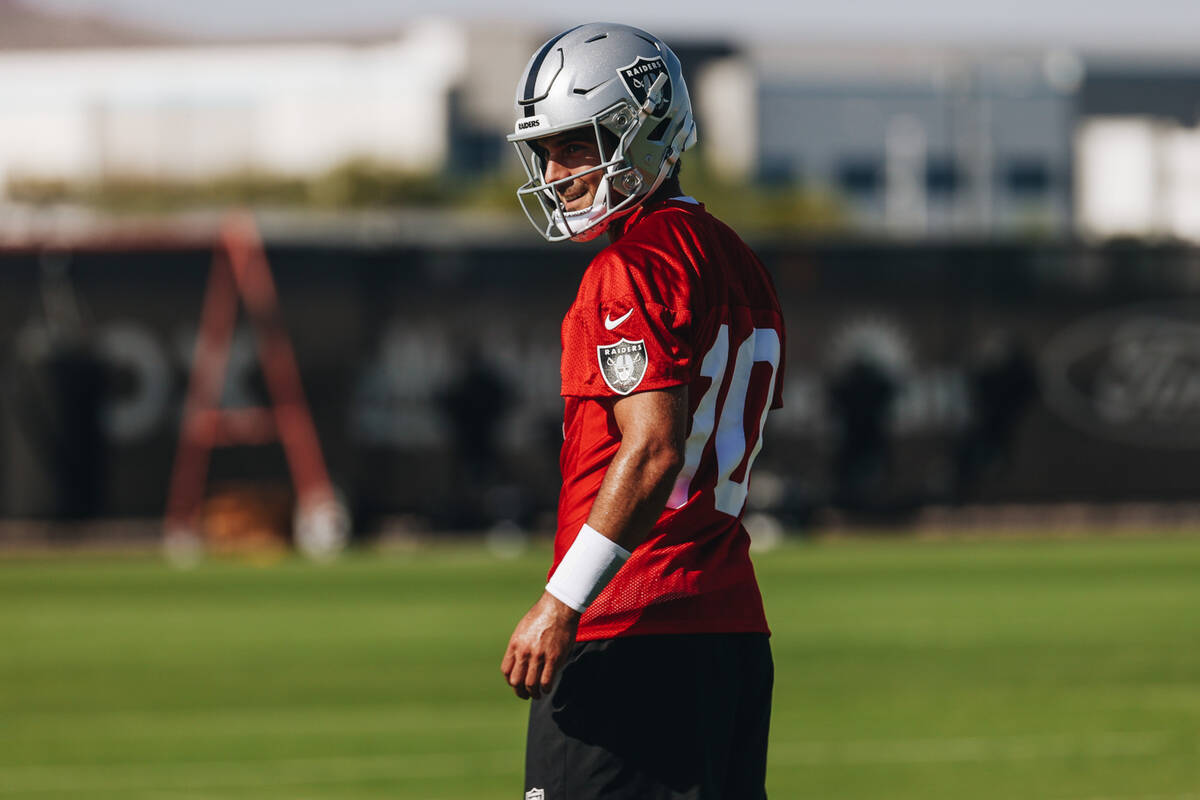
x: 915, y: 374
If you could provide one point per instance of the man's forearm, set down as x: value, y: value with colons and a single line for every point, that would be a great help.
x: 634, y: 492
x: 631, y: 497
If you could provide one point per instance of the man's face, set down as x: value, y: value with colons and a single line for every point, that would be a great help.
x: 572, y: 153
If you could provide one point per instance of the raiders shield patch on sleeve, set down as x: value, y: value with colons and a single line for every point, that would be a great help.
x: 623, y: 364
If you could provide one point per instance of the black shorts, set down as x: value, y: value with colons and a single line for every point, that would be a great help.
x: 655, y: 718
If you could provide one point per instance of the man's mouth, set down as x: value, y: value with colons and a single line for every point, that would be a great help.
x: 570, y: 196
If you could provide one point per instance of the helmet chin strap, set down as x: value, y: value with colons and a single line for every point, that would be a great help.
x: 600, y: 211
x: 591, y: 220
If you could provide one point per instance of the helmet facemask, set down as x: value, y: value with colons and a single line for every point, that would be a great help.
x: 618, y: 192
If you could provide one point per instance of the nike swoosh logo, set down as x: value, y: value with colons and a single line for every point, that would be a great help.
x: 610, y: 323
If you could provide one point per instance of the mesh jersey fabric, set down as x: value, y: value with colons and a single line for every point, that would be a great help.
x: 678, y: 299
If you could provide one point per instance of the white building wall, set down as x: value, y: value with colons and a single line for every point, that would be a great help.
x: 726, y: 103
x: 1115, y: 173
x: 190, y: 111
x: 47, y: 138
x: 1138, y: 176
x: 1181, y: 156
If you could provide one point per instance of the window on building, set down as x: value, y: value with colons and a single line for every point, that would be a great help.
x: 778, y: 171
x: 1027, y: 176
x: 942, y: 176
x: 862, y: 176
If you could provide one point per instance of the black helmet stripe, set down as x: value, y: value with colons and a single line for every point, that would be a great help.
x: 536, y: 67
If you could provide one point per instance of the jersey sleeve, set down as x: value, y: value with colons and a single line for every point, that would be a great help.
x: 629, y: 329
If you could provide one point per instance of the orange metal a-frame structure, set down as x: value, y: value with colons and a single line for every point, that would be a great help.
x: 240, y: 271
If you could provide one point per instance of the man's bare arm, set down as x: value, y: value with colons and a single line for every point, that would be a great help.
x: 639, y: 480
x: 635, y: 489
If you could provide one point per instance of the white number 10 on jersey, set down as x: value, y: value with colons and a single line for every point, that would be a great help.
x: 729, y: 420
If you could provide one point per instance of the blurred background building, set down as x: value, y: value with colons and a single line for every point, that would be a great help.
x: 191, y: 110
x: 905, y: 139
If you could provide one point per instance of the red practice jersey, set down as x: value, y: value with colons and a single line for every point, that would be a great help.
x: 679, y: 299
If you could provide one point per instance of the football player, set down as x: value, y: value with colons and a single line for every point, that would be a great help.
x: 647, y: 656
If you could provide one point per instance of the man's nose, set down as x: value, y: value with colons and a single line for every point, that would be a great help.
x: 555, y: 171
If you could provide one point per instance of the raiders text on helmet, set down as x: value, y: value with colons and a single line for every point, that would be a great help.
x: 613, y: 79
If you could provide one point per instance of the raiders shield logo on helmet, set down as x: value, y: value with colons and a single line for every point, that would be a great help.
x: 623, y: 364
x: 639, y: 76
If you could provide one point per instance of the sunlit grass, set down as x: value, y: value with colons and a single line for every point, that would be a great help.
x: 1058, y: 669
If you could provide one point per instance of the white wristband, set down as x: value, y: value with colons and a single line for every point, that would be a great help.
x: 586, y: 569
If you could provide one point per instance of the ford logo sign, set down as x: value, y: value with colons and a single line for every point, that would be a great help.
x: 1131, y: 375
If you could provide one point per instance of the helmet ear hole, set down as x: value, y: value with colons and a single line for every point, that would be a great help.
x: 609, y: 142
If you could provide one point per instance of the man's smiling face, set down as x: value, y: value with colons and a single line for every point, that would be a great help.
x: 572, y: 153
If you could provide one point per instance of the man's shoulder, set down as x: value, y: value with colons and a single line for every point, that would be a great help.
x: 670, y: 244
x: 685, y: 220
x: 672, y: 213
x: 650, y: 232
x: 643, y: 255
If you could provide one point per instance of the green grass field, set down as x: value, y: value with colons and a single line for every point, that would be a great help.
x: 1056, y: 669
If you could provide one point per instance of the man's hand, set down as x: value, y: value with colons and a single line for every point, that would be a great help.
x: 539, y: 646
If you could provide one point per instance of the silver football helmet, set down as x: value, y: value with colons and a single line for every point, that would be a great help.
x: 627, y: 87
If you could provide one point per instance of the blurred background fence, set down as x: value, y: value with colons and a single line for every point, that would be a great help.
x: 918, y: 374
